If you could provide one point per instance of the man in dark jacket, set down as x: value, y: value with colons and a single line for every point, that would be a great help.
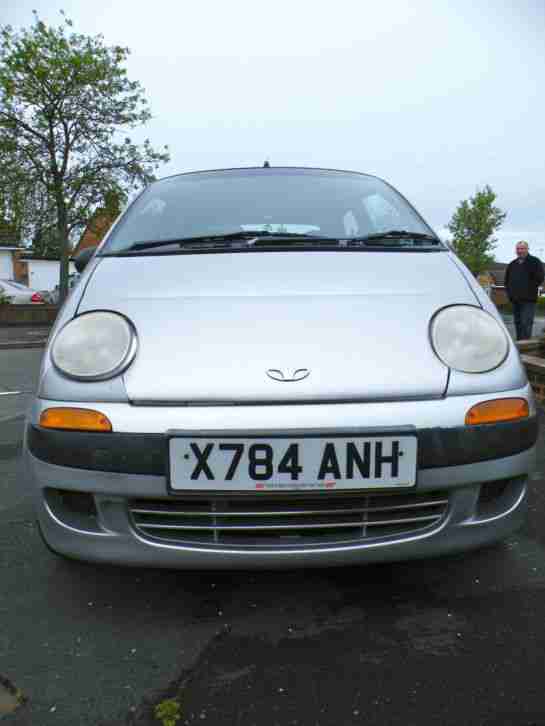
x: 522, y: 278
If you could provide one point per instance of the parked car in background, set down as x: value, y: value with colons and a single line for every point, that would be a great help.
x: 277, y: 367
x: 19, y: 294
x: 54, y: 295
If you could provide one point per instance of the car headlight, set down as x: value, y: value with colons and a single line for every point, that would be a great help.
x: 94, y: 346
x: 468, y: 339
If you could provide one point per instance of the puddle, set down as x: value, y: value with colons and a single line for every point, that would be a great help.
x: 10, y: 698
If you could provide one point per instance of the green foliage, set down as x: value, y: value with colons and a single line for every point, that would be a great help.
x: 5, y: 299
x: 9, y: 234
x: 473, y: 226
x: 65, y: 105
x: 45, y: 242
x: 26, y: 207
x: 168, y: 712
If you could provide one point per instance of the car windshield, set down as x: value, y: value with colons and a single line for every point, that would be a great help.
x: 271, y: 202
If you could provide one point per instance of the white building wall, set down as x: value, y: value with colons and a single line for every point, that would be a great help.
x: 6, y: 265
x: 44, y: 274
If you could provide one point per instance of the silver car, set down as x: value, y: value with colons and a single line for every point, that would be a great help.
x: 277, y: 367
x: 19, y: 294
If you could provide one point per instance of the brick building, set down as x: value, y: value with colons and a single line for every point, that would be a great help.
x: 95, y: 231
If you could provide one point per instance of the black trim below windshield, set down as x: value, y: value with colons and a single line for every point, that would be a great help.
x: 276, y: 248
x: 259, y: 239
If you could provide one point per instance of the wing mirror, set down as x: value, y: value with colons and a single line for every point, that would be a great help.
x: 82, y: 258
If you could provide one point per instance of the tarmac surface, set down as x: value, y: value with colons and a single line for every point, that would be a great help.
x: 456, y: 640
x: 23, y: 336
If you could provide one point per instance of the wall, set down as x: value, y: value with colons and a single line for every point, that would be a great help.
x: 44, y: 274
x: 499, y: 296
x: 6, y: 265
x: 532, y: 355
x: 535, y: 368
x: 20, y: 269
x: 27, y: 315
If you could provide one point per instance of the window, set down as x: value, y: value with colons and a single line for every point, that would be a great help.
x: 330, y: 203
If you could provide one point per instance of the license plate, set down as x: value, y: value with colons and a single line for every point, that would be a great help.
x: 285, y: 464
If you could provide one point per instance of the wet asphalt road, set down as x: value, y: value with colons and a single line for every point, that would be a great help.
x: 457, y: 640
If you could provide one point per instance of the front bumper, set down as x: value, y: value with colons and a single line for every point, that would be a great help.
x: 482, y: 472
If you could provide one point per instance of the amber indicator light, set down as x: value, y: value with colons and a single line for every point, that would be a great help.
x: 501, y: 409
x: 74, y: 419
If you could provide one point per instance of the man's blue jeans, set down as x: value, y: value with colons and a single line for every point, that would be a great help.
x: 524, y: 319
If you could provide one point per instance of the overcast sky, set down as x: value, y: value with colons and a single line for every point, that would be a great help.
x: 437, y: 97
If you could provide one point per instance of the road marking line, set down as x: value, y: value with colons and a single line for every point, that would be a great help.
x: 21, y: 414
x: 10, y: 393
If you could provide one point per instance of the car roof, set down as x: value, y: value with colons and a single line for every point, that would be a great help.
x: 268, y: 170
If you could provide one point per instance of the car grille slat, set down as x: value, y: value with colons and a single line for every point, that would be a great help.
x: 244, y: 527
x: 271, y: 520
x: 283, y: 513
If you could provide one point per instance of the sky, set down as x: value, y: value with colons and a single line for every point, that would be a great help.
x: 439, y: 98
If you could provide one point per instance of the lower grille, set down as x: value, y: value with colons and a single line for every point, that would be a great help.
x: 277, y: 521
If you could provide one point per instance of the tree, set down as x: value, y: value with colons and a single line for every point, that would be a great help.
x: 473, y: 226
x: 25, y: 207
x: 65, y: 101
x: 45, y: 243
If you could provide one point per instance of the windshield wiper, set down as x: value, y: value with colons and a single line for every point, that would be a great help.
x: 395, y: 234
x: 261, y: 238
x: 216, y: 240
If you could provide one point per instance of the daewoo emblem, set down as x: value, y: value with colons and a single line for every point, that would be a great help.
x: 277, y: 375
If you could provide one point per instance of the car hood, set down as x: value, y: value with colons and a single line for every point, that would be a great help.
x: 239, y: 327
